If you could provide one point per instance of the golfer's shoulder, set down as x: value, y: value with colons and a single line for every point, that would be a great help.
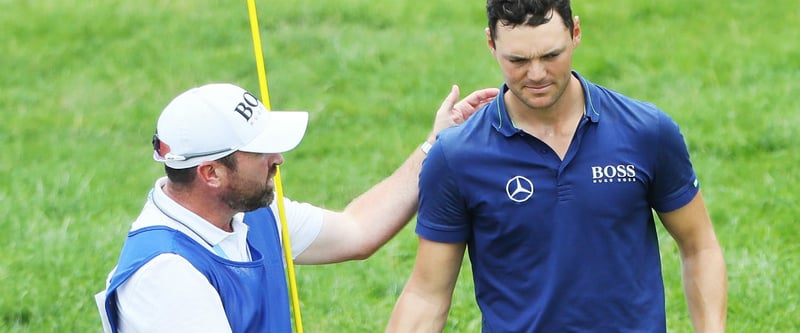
x: 476, y: 125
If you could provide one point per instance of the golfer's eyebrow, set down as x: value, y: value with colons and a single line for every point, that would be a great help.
x: 515, y: 58
x: 548, y: 54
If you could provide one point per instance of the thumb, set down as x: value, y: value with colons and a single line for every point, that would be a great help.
x: 450, y: 100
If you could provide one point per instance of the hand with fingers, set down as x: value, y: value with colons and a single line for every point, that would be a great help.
x: 451, y: 113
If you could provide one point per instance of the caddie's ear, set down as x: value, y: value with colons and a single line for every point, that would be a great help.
x: 211, y: 173
x: 576, y: 31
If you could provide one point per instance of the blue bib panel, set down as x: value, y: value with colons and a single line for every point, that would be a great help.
x: 254, y: 294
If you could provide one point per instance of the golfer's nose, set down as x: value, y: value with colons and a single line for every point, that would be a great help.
x: 536, y: 71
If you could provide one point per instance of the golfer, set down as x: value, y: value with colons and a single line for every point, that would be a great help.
x: 551, y: 189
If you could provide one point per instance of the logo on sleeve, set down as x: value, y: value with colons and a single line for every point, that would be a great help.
x: 519, y: 189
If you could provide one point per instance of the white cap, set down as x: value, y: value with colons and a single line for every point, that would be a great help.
x: 212, y: 121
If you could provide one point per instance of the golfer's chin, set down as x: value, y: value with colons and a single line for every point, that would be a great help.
x: 538, y: 102
x: 535, y: 99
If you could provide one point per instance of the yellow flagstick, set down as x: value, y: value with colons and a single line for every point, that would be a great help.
x: 287, y: 248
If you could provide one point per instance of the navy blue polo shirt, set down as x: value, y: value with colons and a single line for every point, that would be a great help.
x: 560, y: 245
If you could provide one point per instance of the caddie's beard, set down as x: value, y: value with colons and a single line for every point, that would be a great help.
x: 244, y: 196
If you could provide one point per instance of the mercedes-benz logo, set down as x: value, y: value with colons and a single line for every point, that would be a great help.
x: 519, y: 189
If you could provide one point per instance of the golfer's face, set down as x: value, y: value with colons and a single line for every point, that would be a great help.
x: 251, y: 185
x: 536, y: 61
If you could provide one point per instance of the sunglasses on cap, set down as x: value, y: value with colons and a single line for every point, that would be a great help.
x: 163, y: 151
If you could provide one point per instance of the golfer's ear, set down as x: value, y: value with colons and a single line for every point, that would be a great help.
x: 489, y: 40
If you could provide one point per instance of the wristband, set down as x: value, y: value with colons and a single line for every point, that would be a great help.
x: 425, y: 147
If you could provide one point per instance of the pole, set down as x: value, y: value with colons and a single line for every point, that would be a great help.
x: 287, y: 248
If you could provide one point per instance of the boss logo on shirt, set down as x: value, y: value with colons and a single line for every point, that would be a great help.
x: 621, y: 173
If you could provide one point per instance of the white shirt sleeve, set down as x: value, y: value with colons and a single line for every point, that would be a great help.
x: 168, y: 294
x: 304, y: 221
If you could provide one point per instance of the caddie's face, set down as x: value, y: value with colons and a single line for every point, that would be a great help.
x: 536, y: 61
x: 252, y: 184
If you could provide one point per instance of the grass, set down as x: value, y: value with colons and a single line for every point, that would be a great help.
x: 83, y: 84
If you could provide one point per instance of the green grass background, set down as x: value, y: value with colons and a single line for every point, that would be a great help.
x: 83, y: 83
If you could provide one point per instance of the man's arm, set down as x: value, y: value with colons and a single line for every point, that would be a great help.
x: 370, y: 220
x: 703, y: 266
x: 425, y: 301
